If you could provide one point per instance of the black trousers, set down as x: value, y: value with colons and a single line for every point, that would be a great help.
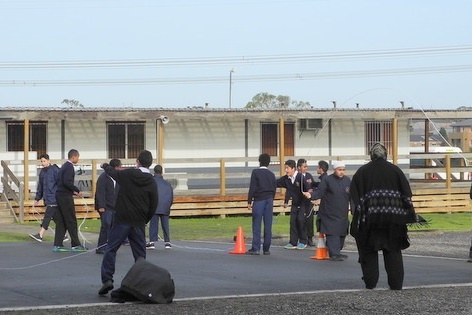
x: 48, y: 216
x: 393, y: 262
x: 310, y: 220
x: 298, y: 225
x: 66, y: 221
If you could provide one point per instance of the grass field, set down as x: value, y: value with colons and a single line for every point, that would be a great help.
x: 225, y: 228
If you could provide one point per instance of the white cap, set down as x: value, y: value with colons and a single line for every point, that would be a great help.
x: 338, y: 164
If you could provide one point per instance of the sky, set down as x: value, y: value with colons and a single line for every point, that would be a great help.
x: 186, y: 53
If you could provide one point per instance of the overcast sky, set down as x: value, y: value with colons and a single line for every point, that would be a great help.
x: 180, y: 53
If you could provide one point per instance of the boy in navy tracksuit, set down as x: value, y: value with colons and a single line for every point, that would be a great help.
x: 47, y: 186
x: 166, y: 198
x: 260, y: 200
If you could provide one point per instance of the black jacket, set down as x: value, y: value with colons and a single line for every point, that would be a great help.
x: 308, y: 184
x: 294, y: 191
x: 106, y: 194
x: 137, y: 197
x: 65, y: 180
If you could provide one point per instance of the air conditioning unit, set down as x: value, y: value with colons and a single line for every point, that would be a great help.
x: 310, y: 124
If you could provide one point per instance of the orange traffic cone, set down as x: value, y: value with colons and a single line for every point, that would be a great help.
x: 239, y: 247
x: 321, y: 250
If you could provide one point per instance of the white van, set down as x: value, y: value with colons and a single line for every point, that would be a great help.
x: 438, y: 162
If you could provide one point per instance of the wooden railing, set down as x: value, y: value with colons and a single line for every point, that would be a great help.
x: 424, y: 200
x: 442, y: 200
x: 184, y: 206
x: 222, y: 198
x: 9, y: 181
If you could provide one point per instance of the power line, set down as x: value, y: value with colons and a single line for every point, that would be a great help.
x: 241, y: 79
x: 238, y: 60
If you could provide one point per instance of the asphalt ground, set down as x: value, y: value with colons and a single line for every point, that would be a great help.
x: 209, y: 280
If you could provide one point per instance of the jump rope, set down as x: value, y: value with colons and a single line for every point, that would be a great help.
x: 84, y: 241
x: 79, y: 229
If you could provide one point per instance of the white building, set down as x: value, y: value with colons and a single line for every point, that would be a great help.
x: 208, y: 135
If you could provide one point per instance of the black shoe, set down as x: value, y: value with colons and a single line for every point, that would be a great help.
x: 344, y: 256
x: 266, y: 252
x: 336, y: 258
x: 107, y: 286
x: 99, y: 251
x: 252, y: 252
x: 310, y: 242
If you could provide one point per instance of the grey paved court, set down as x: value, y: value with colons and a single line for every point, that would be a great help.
x: 32, y: 276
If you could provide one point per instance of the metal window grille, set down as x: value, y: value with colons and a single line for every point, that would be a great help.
x: 37, y: 136
x: 125, y: 139
x: 378, y: 131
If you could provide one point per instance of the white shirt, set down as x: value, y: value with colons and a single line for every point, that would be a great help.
x: 292, y: 178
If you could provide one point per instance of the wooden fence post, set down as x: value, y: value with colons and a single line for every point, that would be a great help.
x: 222, y: 178
x: 447, y: 159
x: 22, y: 202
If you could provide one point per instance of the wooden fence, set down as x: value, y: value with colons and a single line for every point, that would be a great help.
x: 424, y: 200
x: 448, y: 195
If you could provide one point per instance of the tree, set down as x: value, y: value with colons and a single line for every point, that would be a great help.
x: 72, y: 103
x: 265, y: 100
x: 443, y: 133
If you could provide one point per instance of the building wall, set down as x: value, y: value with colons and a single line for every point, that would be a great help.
x: 204, y: 138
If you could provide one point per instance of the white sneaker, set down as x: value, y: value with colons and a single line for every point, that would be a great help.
x: 168, y: 246
x: 150, y: 245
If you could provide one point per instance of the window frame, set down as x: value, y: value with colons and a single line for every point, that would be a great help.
x: 128, y: 149
x: 38, y: 131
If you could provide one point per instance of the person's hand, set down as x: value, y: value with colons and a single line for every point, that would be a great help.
x: 316, y: 202
x: 35, y: 203
x: 78, y: 194
x: 101, y: 210
x: 285, y: 205
x: 307, y: 195
x: 249, y: 206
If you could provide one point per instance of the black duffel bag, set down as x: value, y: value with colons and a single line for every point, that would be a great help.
x: 146, y: 283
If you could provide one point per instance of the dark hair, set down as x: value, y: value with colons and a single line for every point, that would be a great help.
x: 300, y: 162
x: 145, y: 158
x: 44, y: 156
x: 158, y: 169
x: 323, y: 165
x: 72, y: 152
x: 290, y: 163
x: 115, y: 162
x: 264, y: 159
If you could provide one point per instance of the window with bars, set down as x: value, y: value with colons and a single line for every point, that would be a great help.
x: 125, y: 139
x: 378, y: 131
x: 37, y: 136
